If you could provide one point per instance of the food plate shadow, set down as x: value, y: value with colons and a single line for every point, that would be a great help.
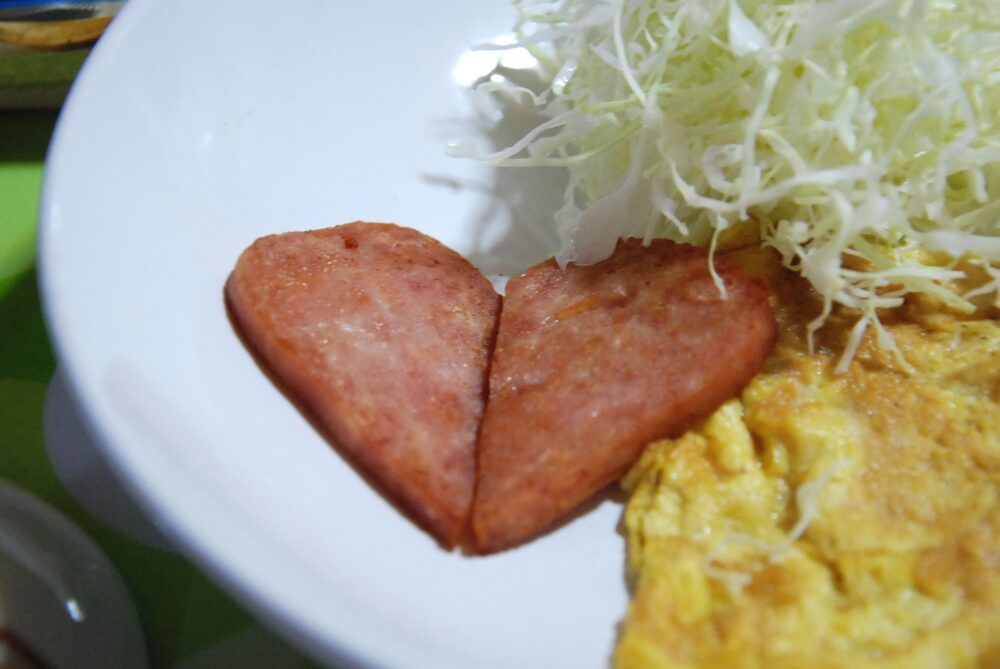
x: 83, y: 471
x: 513, y: 227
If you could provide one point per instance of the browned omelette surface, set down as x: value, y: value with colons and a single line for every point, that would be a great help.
x: 832, y: 521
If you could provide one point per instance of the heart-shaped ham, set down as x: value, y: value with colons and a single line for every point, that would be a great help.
x: 592, y: 363
x: 383, y: 336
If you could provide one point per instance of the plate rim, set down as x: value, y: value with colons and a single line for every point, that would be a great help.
x: 351, y: 640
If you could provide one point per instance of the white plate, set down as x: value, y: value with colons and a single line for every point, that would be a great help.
x: 196, y: 127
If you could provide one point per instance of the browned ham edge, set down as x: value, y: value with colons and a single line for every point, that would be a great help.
x: 383, y: 335
x: 592, y: 363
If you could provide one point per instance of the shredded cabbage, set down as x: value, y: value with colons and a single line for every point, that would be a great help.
x: 861, y: 138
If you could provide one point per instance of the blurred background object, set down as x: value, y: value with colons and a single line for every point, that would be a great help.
x: 43, y: 45
x: 62, y: 603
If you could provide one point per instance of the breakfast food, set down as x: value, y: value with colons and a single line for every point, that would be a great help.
x: 856, y: 139
x: 843, y: 510
x: 383, y: 335
x: 829, y: 520
x: 592, y: 363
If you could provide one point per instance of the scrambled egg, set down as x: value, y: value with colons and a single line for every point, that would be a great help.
x: 828, y: 521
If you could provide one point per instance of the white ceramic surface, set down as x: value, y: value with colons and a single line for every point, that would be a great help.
x: 82, y: 469
x: 196, y: 127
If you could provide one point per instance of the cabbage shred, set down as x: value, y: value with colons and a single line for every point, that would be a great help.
x: 859, y: 138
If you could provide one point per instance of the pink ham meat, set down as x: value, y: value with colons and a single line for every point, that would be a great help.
x: 383, y: 336
x: 592, y: 363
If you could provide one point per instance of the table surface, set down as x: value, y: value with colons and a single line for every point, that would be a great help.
x: 189, y: 623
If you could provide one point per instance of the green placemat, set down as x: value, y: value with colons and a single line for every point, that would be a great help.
x: 23, y: 138
x: 189, y: 622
